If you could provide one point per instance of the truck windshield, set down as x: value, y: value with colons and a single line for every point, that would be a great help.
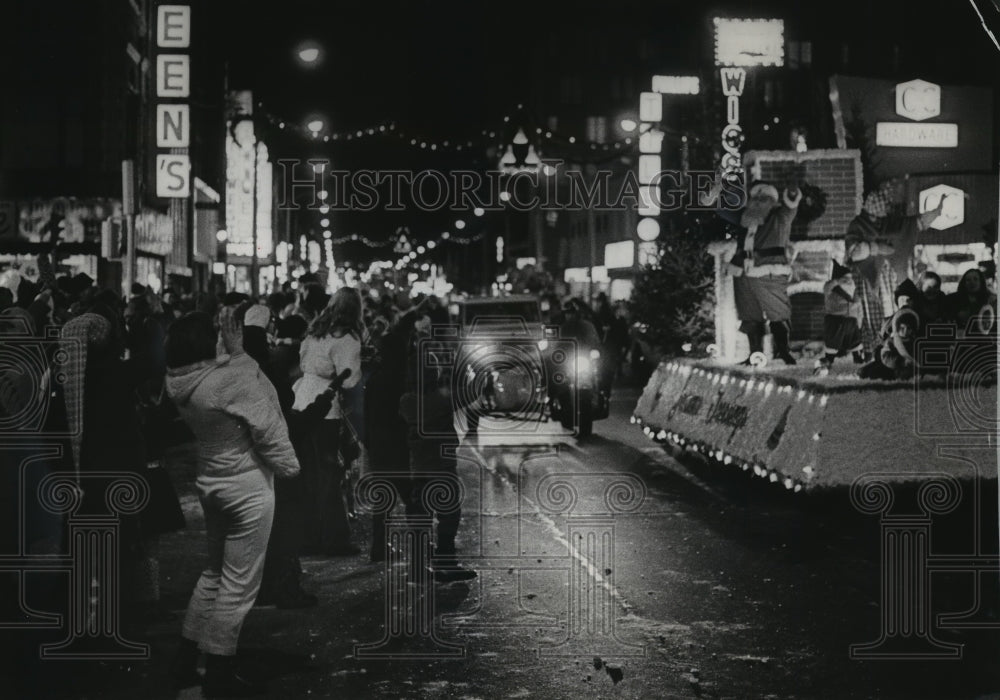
x: 501, y: 312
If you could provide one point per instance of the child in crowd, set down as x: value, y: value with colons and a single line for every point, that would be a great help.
x: 932, y: 309
x: 842, y: 321
x: 895, y: 358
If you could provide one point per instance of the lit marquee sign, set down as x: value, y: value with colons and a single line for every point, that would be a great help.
x: 651, y: 141
x: 913, y: 135
x: 649, y: 200
x: 620, y: 254
x: 649, y: 169
x: 173, y: 121
x: 265, y: 185
x: 953, y: 211
x: 917, y: 100
x: 650, y: 113
x: 650, y: 107
x: 239, y: 194
x: 676, y: 84
x: 749, y: 42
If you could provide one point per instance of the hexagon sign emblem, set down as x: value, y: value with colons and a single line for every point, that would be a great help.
x: 918, y: 100
x: 953, y: 213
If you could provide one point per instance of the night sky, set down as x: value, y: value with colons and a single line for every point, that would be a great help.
x: 443, y: 65
x: 443, y: 70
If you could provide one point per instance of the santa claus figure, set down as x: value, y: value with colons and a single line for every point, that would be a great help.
x: 760, y: 266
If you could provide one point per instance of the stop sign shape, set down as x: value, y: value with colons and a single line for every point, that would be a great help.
x: 953, y: 213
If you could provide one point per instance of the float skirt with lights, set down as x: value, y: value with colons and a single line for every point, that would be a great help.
x: 805, y: 432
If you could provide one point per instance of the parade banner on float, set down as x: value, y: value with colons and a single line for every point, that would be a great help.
x: 808, y: 432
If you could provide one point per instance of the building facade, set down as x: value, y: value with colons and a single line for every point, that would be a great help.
x: 80, y: 105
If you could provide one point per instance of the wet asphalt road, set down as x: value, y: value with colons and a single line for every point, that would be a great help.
x: 607, y: 568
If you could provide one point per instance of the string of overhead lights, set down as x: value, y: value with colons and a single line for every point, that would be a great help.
x: 486, y: 139
x: 445, y: 237
x: 326, y: 136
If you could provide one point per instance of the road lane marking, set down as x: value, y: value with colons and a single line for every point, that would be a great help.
x: 555, y: 530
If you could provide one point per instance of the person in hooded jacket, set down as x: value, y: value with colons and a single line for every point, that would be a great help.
x: 243, y: 444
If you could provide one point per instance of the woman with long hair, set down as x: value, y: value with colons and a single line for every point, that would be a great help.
x: 971, y: 299
x: 331, y: 346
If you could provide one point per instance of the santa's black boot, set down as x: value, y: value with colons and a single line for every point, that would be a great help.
x: 754, y: 331
x: 779, y: 331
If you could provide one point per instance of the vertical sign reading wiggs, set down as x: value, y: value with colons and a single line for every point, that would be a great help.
x: 733, y: 81
x: 173, y: 120
x: 740, y: 43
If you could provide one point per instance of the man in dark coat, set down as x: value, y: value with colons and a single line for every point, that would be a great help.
x: 281, y: 585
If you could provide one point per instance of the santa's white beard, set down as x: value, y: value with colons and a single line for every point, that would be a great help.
x: 754, y: 214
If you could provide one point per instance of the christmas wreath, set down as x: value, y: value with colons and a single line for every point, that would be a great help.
x: 812, y: 205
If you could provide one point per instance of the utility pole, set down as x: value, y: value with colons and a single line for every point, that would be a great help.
x: 128, y: 224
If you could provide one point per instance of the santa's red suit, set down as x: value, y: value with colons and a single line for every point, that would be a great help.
x: 760, y: 266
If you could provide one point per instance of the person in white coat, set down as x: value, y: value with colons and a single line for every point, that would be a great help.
x: 331, y: 346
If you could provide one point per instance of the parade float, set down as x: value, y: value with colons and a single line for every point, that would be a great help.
x: 806, y: 432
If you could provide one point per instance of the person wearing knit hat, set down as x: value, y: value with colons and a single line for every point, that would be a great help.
x: 760, y: 266
x: 842, y: 318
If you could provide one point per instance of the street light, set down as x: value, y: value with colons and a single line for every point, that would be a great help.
x: 315, y: 126
x: 309, y: 54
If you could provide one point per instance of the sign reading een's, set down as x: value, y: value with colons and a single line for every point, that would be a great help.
x: 173, y: 175
x: 173, y: 121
